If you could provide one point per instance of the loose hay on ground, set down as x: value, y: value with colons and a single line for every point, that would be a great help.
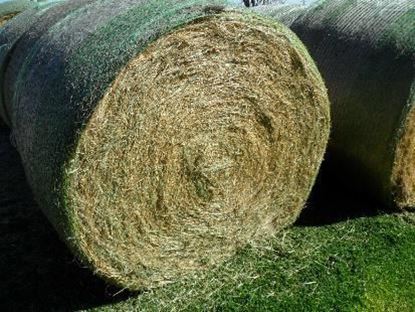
x: 160, y: 137
x: 365, y: 51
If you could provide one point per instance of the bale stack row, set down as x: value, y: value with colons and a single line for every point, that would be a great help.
x: 158, y: 137
x: 365, y: 51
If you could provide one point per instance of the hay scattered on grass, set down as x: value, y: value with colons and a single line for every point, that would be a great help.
x: 159, y: 148
x: 365, y: 51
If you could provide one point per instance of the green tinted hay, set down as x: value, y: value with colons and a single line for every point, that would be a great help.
x: 159, y: 137
x: 365, y: 51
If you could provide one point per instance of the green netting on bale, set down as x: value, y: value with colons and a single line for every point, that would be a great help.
x: 160, y: 136
x: 284, y: 13
x: 365, y: 51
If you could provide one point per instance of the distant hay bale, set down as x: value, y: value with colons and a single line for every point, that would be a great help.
x: 365, y: 51
x: 11, y: 8
x: 8, y: 10
x: 158, y: 137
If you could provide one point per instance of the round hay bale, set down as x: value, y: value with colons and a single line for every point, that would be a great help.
x: 11, y: 8
x: 365, y: 51
x: 158, y: 137
x: 9, y: 36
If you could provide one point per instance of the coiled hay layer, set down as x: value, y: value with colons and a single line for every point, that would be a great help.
x: 365, y: 51
x: 159, y: 137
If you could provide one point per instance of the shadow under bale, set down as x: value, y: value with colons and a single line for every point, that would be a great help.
x: 37, y: 271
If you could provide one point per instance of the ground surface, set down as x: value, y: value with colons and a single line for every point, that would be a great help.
x: 344, y: 254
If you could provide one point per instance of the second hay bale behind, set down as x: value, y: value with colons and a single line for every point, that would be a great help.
x: 365, y: 51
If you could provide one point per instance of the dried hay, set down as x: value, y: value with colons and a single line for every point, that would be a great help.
x: 5, y: 18
x: 163, y: 136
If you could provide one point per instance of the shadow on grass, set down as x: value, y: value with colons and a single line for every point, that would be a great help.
x: 335, y: 200
x: 37, y: 272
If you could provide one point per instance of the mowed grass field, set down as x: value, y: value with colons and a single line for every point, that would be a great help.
x: 344, y: 254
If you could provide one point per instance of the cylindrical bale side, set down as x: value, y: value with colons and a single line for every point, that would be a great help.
x: 365, y: 51
x: 11, y: 8
x: 159, y: 137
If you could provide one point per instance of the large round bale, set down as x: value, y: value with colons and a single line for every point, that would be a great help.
x: 11, y: 8
x: 159, y: 137
x: 8, y: 10
x: 365, y: 51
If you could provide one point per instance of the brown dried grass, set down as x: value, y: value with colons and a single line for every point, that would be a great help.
x: 403, y: 174
x: 5, y: 18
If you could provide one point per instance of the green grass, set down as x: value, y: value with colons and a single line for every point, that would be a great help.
x: 342, y: 255
x: 361, y: 265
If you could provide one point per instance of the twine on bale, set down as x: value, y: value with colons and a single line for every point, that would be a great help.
x: 365, y: 51
x: 160, y: 137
